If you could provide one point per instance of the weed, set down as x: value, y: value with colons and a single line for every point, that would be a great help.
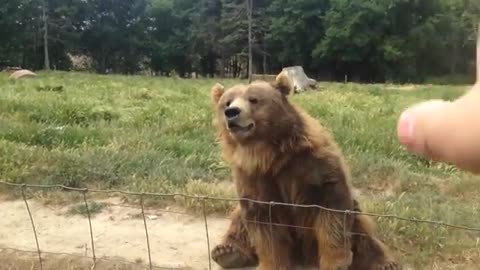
x: 81, y: 209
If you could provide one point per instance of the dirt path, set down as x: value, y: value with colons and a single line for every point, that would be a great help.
x: 177, y: 241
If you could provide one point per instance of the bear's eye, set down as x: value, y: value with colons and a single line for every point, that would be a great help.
x: 228, y: 103
x: 253, y: 100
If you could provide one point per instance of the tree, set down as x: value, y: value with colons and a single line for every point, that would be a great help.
x: 354, y: 33
x: 19, y: 26
x: 369, y: 40
x: 45, y: 35
x: 249, y: 7
x: 113, y: 33
x: 296, y: 27
x: 206, y: 31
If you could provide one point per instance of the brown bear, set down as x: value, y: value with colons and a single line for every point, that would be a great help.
x: 280, y: 154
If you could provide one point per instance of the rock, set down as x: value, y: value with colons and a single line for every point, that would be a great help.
x: 23, y: 73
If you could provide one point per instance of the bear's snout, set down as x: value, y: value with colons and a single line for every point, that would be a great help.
x: 238, y: 119
x: 231, y: 113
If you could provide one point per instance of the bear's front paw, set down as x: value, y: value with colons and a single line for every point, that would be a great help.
x: 227, y: 256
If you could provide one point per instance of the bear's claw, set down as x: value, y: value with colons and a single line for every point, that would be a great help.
x: 227, y: 256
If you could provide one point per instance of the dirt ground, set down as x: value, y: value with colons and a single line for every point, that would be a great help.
x: 177, y: 241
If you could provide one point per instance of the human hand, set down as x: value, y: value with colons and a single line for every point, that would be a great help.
x: 445, y: 131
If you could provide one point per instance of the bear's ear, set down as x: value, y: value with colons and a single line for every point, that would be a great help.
x: 216, y: 93
x: 283, y: 84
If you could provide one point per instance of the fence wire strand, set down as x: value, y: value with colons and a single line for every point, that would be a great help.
x: 204, y: 208
x: 347, y: 234
x: 33, y: 226
x: 90, y: 226
x: 146, y: 232
x: 270, y: 221
x: 212, y: 198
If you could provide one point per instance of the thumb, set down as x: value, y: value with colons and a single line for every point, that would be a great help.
x: 417, y: 124
x: 444, y: 131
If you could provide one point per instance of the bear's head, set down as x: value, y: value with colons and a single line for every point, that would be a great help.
x: 255, y: 112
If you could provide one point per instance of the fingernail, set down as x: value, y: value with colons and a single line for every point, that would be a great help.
x: 405, y: 128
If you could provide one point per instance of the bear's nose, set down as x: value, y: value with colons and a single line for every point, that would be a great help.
x: 232, y: 112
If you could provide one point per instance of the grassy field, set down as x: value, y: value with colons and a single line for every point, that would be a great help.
x: 155, y: 135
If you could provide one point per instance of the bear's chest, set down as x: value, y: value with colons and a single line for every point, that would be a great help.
x: 258, y: 194
x: 256, y: 187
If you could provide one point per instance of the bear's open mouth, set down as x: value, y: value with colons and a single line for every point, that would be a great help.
x: 233, y: 127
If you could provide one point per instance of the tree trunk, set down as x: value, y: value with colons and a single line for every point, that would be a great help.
x: 24, y: 57
x: 103, y: 64
x: 235, y: 66
x: 250, y: 56
x: 222, y: 66
x: 301, y: 82
x: 228, y: 67
x: 264, y: 54
x: 46, y: 57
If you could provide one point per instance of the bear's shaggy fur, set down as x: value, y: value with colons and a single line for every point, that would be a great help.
x: 279, y: 153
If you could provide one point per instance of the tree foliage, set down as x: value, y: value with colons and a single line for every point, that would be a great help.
x: 365, y: 40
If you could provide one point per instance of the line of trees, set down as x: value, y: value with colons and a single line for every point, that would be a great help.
x: 367, y: 40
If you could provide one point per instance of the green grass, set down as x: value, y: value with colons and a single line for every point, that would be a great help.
x: 155, y: 135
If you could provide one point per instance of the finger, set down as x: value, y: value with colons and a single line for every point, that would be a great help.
x: 417, y: 122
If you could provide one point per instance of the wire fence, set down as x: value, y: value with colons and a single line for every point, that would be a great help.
x: 202, y: 201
